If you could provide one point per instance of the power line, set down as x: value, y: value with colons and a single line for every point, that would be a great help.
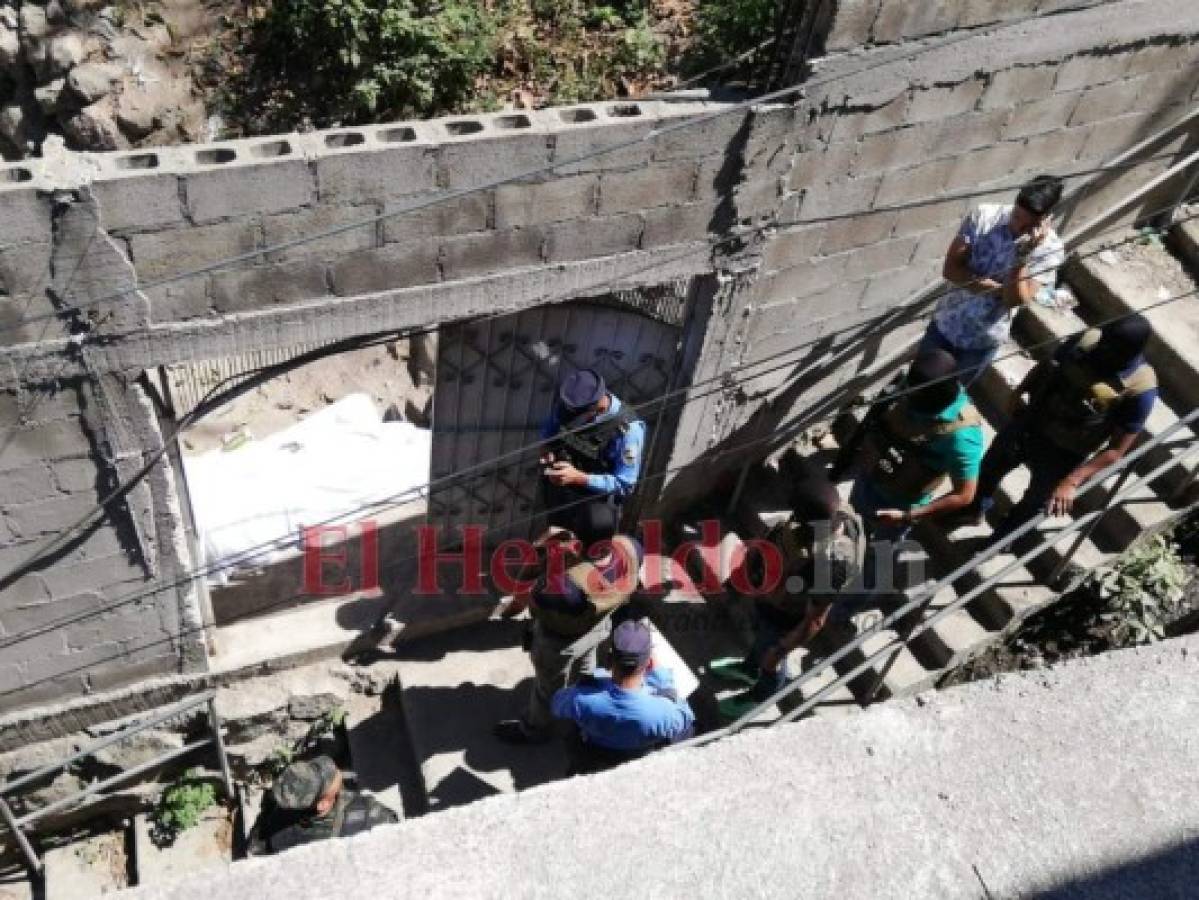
x: 784, y: 434
x: 653, y: 134
x: 494, y: 465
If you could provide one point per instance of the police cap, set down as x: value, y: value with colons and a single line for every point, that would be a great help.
x: 582, y: 389
x: 301, y: 784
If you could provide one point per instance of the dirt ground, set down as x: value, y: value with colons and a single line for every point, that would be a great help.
x: 383, y: 372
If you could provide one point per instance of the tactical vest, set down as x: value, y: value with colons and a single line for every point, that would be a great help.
x: 827, y: 558
x: 901, y: 441
x: 602, y: 596
x: 1075, y: 410
x: 353, y: 813
x: 584, y: 448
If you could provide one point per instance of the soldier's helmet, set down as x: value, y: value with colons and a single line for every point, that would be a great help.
x: 301, y: 784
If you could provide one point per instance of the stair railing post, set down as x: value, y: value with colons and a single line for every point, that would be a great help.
x: 214, y: 722
x: 31, y: 856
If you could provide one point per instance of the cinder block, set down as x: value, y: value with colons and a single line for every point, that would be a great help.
x: 1056, y: 151
x: 114, y: 574
x: 969, y: 132
x: 849, y: 124
x: 713, y: 135
x: 899, y: 20
x: 985, y: 12
x: 38, y: 403
x: 670, y: 184
x: 899, y: 149
x: 592, y: 238
x: 24, y: 269
x: 139, y: 203
x: 1041, y: 116
x: 1012, y: 87
x: 851, y: 24
x: 942, y: 102
x: 263, y: 286
x: 29, y: 520
x: 307, y: 223
x: 919, y: 183
x: 979, y: 167
x: 472, y: 163
x: 377, y: 175
x: 757, y: 197
x: 26, y: 216
x: 480, y: 254
x: 164, y: 253
x: 578, y: 140
x: 1088, y: 70
x: 850, y: 196
x: 181, y: 300
x: 53, y: 440
x: 461, y: 215
x: 892, y: 288
x: 26, y: 485
x: 931, y: 247
x: 792, y: 247
x: 518, y: 205
x: 391, y: 268
x: 868, y: 261
x: 1161, y: 58
x: 17, y: 309
x: 1106, y: 102
x: 824, y: 164
x: 1161, y: 90
x: 805, y: 279
x: 75, y: 475
x: 249, y: 190
x: 677, y: 224
x: 846, y: 234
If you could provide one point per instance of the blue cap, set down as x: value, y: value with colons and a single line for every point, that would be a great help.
x: 631, y: 644
x: 582, y: 389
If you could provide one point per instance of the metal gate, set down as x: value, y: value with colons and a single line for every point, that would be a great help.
x: 496, y: 382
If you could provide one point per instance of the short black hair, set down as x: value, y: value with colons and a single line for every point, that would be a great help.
x: 1041, y: 195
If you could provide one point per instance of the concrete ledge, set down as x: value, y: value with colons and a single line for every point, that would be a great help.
x: 1073, y: 781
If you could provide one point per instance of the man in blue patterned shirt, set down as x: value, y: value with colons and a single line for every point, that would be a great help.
x: 1003, y: 257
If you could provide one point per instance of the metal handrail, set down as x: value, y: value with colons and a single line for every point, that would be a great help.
x: 924, y: 595
x: 215, y: 738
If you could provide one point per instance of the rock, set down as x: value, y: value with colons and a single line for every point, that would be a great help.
x: 252, y: 754
x: 10, y: 45
x: 55, y: 14
x: 136, y: 114
x: 33, y: 21
x: 47, y: 95
x: 92, y: 129
x: 63, y: 53
x: 91, y: 81
x: 22, y: 127
x: 311, y: 707
x: 137, y: 749
x: 49, y: 792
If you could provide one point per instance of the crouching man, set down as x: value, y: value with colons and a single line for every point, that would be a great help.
x: 626, y: 713
x: 308, y: 803
x: 588, y: 573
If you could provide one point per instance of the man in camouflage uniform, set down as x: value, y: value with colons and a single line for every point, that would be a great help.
x: 307, y: 803
x: 823, y: 546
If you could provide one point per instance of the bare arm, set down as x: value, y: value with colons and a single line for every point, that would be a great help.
x: 957, y: 271
x: 1062, y: 498
x: 960, y: 497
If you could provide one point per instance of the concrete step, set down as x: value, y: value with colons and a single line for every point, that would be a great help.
x: 87, y: 868
x: 837, y: 703
x: 1183, y: 239
x: 1116, y: 289
x: 208, y: 844
x: 15, y: 885
x: 1178, y: 483
x: 951, y: 641
x: 455, y: 687
x: 380, y: 751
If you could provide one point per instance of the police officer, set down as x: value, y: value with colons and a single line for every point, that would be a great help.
x: 823, y: 547
x: 625, y: 713
x: 595, y: 450
x: 1085, y: 407
x: 307, y: 803
x: 588, y: 574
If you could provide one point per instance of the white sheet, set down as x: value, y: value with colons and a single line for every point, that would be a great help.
x: 330, y: 464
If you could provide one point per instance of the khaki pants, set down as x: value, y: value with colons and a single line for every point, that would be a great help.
x: 554, y: 669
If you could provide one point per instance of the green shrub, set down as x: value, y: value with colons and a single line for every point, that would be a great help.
x: 1142, y: 591
x: 358, y: 60
x: 728, y: 28
x: 181, y: 806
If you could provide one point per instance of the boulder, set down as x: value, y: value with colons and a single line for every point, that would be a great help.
x: 47, y: 95
x: 10, y: 45
x: 63, y: 53
x: 33, y: 21
x: 310, y: 707
x: 92, y: 128
x: 92, y: 81
x: 137, y: 114
x: 137, y: 749
x: 22, y: 127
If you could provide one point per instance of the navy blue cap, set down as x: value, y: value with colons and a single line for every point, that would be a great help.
x: 582, y: 389
x: 631, y: 644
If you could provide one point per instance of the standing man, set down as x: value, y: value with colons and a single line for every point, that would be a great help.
x: 823, y: 547
x: 627, y: 713
x: 1003, y: 257
x: 595, y: 450
x: 589, y: 572
x: 1086, y: 405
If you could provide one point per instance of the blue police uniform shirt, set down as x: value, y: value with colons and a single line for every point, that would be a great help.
x: 617, y: 719
x: 622, y: 456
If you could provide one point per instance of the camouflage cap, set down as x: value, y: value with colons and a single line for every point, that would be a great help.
x: 301, y: 784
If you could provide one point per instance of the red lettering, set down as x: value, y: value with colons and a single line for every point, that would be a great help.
x: 708, y: 546
x: 469, y: 556
x: 369, y: 554
x: 501, y: 558
x: 772, y: 569
x: 315, y: 557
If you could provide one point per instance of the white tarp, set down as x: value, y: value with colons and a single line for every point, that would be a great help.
x: 251, y: 503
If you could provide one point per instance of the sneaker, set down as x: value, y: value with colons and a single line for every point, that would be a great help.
x: 517, y: 731
x: 734, y: 668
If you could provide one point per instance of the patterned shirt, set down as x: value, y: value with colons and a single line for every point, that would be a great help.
x: 980, y: 321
